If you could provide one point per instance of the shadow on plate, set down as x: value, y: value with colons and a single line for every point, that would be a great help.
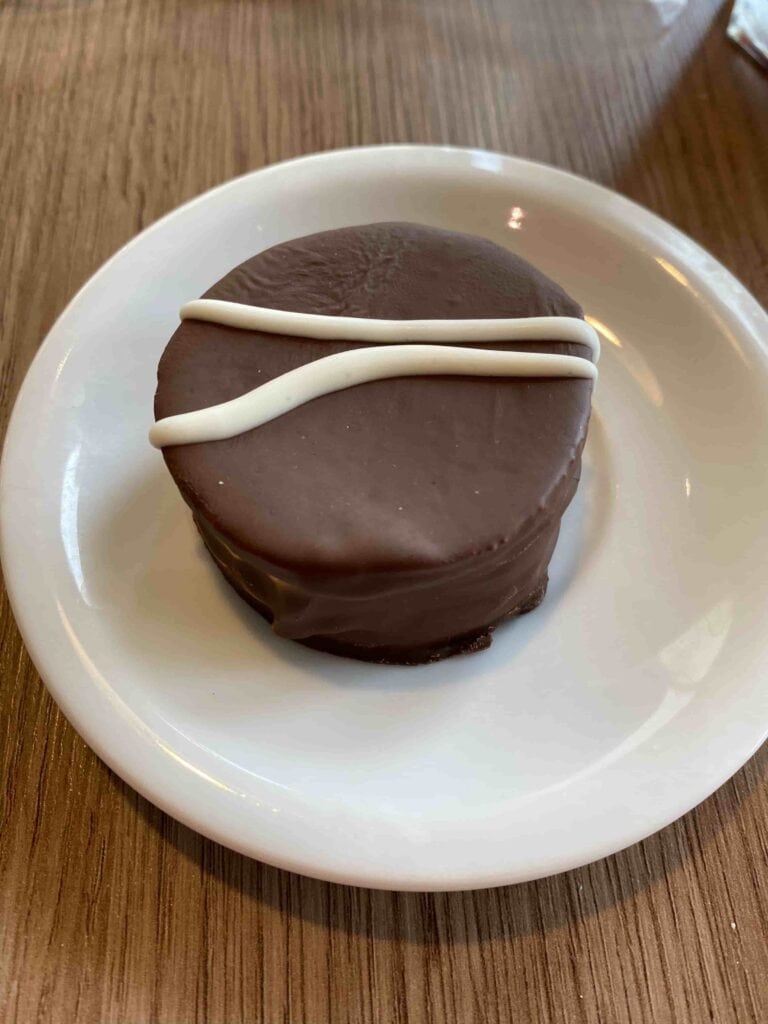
x: 176, y: 608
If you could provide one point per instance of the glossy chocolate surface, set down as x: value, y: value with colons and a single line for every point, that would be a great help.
x: 400, y: 519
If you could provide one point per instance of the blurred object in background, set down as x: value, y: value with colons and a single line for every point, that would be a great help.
x: 618, y: 24
x: 667, y: 10
x: 749, y: 28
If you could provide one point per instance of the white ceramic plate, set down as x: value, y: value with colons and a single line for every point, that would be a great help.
x: 636, y: 689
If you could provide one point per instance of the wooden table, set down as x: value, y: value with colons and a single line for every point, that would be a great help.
x: 112, y: 113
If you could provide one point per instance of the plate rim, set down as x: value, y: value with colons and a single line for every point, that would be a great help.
x: 605, y: 206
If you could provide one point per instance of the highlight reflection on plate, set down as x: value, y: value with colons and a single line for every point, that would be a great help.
x: 627, y: 697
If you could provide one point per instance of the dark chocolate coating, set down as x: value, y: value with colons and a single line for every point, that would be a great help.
x: 401, y: 519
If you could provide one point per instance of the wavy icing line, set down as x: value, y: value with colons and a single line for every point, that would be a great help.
x: 427, y: 352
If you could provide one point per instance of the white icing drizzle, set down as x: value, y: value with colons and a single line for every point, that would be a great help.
x: 393, y: 332
x: 431, y: 356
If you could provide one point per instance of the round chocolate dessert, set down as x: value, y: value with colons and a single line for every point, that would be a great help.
x: 398, y: 520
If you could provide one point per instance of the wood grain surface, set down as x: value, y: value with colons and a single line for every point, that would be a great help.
x: 113, y: 112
